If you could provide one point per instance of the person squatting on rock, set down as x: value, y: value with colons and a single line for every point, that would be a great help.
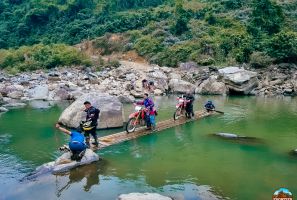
x: 151, y: 112
x: 189, y: 106
x: 76, y: 144
x: 209, y: 106
x: 89, y: 126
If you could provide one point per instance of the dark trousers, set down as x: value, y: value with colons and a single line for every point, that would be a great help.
x: 189, y: 110
x: 148, y: 121
x: 93, y: 133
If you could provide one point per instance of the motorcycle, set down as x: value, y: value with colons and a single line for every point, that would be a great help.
x: 136, y: 119
x: 181, y: 108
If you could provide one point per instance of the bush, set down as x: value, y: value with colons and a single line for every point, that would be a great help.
x: 260, y: 59
x: 148, y: 46
x: 42, y: 57
x: 283, y: 46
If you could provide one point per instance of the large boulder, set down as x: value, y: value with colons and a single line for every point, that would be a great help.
x: 111, y: 111
x: 238, y: 80
x: 143, y: 196
x: 211, y: 87
x: 178, y: 86
x: 159, y: 78
x: 14, y: 91
x: 15, y: 94
x: 39, y: 92
x: 2, y: 109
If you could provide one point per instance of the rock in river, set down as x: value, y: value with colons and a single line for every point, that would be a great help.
x: 111, y: 111
x: 239, y: 80
x: 143, y: 196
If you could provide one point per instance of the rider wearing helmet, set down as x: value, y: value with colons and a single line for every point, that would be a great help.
x: 89, y: 126
x: 209, y: 106
x: 76, y: 144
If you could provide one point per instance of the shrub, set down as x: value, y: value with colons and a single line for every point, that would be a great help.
x: 42, y: 56
x: 283, y: 46
x: 148, y: 46
x: 260, y: 59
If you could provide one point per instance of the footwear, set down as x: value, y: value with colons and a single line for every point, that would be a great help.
x: 95, y: 143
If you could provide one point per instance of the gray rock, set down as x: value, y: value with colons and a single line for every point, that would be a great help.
x: 174, y: 76
x: 39, y: 104
x: 2, y: 109
x: 130, y: 77
x: 227, y: 135
x: 239, y: 80
x: 157, y: 74
x: 136, y: 94
x: 40, y: 92
x: 211, y: 87
x: 111, y: 111
x: 181, y: 87
x: 188, y: 66
x: 63, y: 164
x: 14, y: 105
x: 143, y: 196
x: 61, y: 94
x: 126, y: 99
x: 230, y: 70
x: 158, y: 92
x: 15, y: 94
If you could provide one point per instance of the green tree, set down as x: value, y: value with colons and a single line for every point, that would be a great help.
x: 283, y: 46
x: 267, y: 16
x: 181, y: 18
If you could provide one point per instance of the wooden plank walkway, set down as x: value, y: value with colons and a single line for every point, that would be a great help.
x: 116, y: 138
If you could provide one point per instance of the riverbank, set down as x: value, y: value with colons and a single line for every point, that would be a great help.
x: 125, y: 83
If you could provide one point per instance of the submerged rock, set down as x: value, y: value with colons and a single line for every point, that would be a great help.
x: 143, y: 196
x: 236, y: 137
x: 227, y: 135
x: 111, y: 111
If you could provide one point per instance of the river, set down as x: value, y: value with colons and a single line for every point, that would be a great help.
x: 185, y: 161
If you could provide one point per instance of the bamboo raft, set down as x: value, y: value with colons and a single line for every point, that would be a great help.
x: 116, y: 138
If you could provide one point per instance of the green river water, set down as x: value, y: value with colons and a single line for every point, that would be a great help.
x: 184, y: 161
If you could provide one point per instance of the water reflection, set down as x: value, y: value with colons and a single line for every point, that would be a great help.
x: 90, y: 173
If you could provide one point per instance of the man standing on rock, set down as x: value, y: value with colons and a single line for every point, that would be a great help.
x: 89, y: 126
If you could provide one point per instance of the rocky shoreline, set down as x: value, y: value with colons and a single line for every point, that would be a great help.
x: 124, y: 82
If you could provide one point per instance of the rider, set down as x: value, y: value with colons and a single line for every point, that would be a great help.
x: 76, y: 144
x: 209, y: 106
x: 89, y: 126
x: 150, y: 117
x: 189, y: 106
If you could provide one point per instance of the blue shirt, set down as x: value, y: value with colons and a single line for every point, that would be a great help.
x: 77, y: 141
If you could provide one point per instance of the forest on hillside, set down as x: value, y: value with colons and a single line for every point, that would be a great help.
x: 166, y: 32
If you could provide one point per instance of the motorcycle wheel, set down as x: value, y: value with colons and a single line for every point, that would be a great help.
x: 131, y: 126
x: 177, y: 114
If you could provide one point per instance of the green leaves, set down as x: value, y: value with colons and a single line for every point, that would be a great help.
x: 42, y: 57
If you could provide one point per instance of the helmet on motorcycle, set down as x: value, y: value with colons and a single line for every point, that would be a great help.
x: 86, y: 126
